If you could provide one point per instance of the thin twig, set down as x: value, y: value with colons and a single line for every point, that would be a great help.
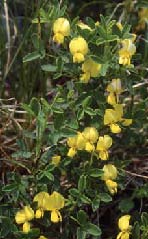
x: 135, y: 174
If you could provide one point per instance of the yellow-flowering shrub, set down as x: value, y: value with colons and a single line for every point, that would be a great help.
x: 74, y: 148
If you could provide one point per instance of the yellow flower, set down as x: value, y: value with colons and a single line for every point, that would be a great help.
x: 61, y: 28
x: 90, y: 69
x: 111, y: 99
x: 112, y: 186
x: 41, y: 199
x: 114, y: 88
x: 89, y: 147
x: 26, y: 227
x: 91, y: 136
x: 78, y: 48
x: 20, y: 217
x: 81, y: 141
x: 54, y: 204
x: 124, y: 227
x: 72, y: 143
x: 103, y: 144
x: 113, y: 116
x: 23, y: 216
x: 42, y: 237
x: 75, y: 143
x: 123, y: 223
x: 56, y: 160
x: 110, y: 172
x: 126, y: 52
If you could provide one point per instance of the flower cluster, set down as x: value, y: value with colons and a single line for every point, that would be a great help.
x: 45, y: 202
x: 114, y: 117
x: 86, y: 140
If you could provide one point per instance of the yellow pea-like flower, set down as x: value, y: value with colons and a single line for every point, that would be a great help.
x: 103, y: 144
x: 29, y: 213
x: 61, y: 28
x: 54, y: 204
x: 78, y: 48
x: 126, y: 52
x: 24, y: 215
x: 26, y: 227
x: 123, y: 222
x: 90, y: 69
x: 110, y: 172
x: 91, y: 134
x: 115, y: 86
x: 89, y: 147
x: 41, y: 199
x: 124, y: 226
x: 81, y: 141
x: 20, y: 217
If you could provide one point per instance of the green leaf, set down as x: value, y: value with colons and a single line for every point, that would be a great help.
x: 49, y: 175
x: 81, y: 234
x: 90, y: 111
x: 22, y: 154
x: 126, y: 205
x: 93, y: 230
x: 49, y: 68
x: 136, y: 231
x: 82, y: 183
x: 96, y: 203
x: 32, y: 56
x: 144, y: 219
x: 105, y: 197
x: 74, y: 192
x: 104, y: 69
x: 86, y: 101
x: 85, y: 199
x: 10, y: 187
x: 96, y: 173
x: 80, y: 114
x: 97, y: 59
x: 82, y: 217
